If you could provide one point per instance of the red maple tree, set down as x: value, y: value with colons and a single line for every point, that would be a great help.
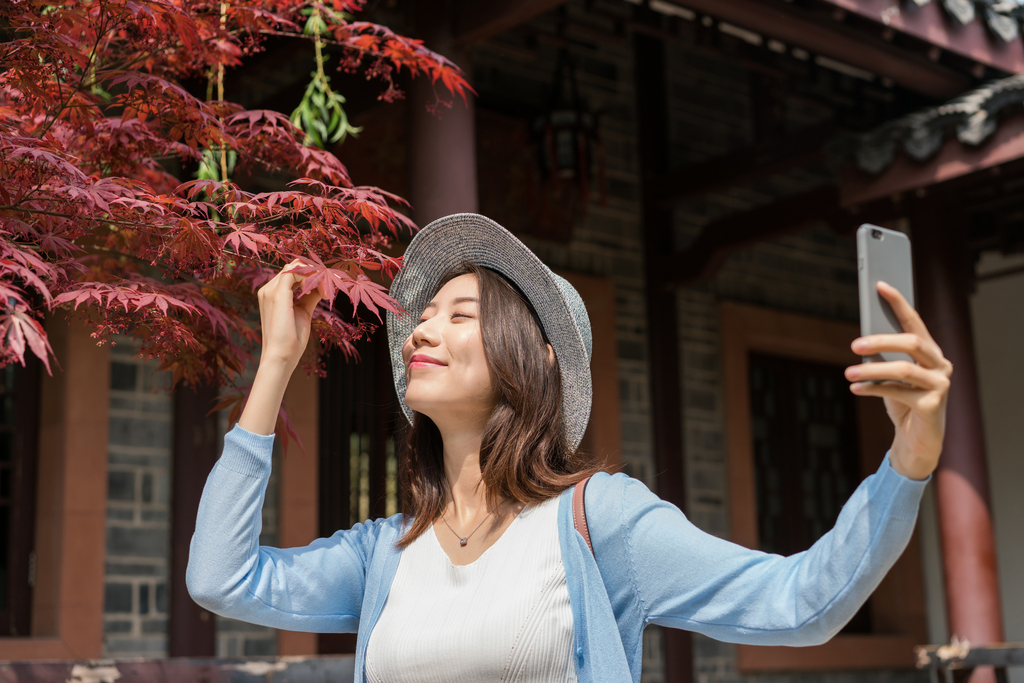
x: 96, y: 122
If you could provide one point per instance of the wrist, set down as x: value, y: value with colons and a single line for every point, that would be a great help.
x: 909, y: 464
x: 259, y: 415
x: 276, y: 364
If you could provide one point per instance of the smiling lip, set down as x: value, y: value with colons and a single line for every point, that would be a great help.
x: 421, y: 361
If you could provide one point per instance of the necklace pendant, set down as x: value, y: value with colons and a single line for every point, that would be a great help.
x: 463, y: 541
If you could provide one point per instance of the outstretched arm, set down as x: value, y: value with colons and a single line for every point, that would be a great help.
x: 668, y: 572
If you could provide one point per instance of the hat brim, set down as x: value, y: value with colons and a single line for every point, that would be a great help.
x: 449, y: 242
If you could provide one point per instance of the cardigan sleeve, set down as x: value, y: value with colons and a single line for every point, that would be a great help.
x: 318, y: 587
x: 660, y: 568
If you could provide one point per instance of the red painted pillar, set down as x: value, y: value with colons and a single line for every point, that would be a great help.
x: 442, y: 150
x: 944, y: 281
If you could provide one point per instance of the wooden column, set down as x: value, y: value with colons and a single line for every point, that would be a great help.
x: 442, y: 147
x: 192, y: 631
x: 944, y: 281
x: 663, y: 344
x: 300, y: 486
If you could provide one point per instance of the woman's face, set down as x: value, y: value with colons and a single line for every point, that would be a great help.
x: 446, y: 371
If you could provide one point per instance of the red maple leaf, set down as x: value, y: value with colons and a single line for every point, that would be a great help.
x: 19, y: 328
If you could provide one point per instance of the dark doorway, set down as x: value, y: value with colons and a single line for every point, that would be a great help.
x: 19, y: 434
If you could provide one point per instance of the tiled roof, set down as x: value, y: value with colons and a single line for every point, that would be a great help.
x: 972, y: 117
x: 1002, y: 16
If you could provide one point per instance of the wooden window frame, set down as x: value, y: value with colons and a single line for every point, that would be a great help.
x: 898, y: 606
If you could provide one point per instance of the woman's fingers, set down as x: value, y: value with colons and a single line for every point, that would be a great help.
x: 288, y: 279
x: 909, y: 318
x: 310, y: 299
x: 904, y: 394
x: 922, y: 349
x: 285, y: 321
x: 283, y: 279
x: 909, y: 373
x: 915, y: 340
x: 284, y: 284
x: 309, y: 302
x: 915, y: 400
x: 915, y: 393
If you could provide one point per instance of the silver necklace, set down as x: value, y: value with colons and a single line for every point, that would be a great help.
x: 463, y: 540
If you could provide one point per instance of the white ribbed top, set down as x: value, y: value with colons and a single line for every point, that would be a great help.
x: 505, y: 617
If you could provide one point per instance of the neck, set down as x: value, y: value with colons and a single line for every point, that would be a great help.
x: 462, y: 441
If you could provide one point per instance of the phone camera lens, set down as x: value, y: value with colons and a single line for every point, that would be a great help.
x: 877, y: 234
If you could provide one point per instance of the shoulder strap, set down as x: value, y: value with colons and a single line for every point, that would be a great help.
x: 579, y: 512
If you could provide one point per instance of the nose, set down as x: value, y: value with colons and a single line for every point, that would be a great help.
x: 427, y: 332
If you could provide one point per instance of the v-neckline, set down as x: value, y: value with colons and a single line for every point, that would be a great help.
x: 440, y: 548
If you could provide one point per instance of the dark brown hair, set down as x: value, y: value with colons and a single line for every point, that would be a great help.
x: 524, y: 455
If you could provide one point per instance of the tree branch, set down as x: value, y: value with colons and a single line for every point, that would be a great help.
x: 102, y: 31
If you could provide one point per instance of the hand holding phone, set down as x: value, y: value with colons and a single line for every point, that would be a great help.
x: 902, y: 363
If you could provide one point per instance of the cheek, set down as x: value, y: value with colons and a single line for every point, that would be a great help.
x: 478, y: 359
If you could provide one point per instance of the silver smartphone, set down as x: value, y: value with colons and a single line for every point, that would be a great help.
x: 882, y: 254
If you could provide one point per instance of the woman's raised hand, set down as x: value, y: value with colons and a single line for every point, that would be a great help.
x: 915, y: 394
x: 286, y: 326
x: 285, y: 322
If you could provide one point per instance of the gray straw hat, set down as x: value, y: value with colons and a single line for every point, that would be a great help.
x: 447, y: 243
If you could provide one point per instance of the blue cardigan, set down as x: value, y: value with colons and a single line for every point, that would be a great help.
x: 652, y: 566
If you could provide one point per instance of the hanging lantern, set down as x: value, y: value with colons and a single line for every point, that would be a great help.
x: 567, y: 143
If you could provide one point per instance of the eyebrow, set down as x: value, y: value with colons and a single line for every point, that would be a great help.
x: 456, y: 301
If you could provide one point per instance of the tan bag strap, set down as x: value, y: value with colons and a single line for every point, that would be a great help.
x: 579, y: 513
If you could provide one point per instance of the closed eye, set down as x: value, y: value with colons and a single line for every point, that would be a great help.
x: 454, y: 315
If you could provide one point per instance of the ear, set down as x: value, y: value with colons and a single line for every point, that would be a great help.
x: 551, y: 354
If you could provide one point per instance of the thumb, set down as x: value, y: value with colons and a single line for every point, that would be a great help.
x: 309, y: 302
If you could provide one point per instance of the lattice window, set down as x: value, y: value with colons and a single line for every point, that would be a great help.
x: 805, y: 447
x: 806, y: 454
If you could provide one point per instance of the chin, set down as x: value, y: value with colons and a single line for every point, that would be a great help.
x: 421, y: 404
x: 436, y: 410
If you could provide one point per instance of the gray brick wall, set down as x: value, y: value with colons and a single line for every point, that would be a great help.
x: 138, y: 507
x: 136, y: 591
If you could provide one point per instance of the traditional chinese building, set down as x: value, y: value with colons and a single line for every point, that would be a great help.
x: 697, y: 169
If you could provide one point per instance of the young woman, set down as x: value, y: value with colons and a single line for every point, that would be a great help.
x: 485, y: 577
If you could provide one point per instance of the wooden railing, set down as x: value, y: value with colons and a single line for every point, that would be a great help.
x: 953, y: 662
